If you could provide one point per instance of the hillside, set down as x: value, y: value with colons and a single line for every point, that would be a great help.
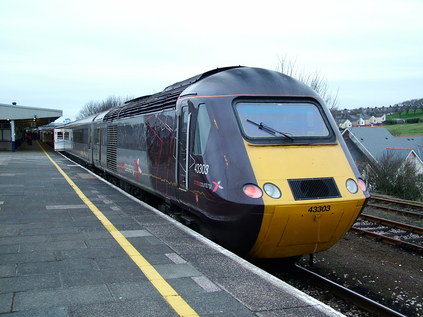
x: 405, y: 118
x: 405, y: 129
x: 411, y: 114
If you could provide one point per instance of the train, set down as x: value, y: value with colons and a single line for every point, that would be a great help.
x: 57, y: 137
x: 251, y: 156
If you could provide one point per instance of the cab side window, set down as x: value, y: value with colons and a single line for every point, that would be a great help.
x: 202, y: 130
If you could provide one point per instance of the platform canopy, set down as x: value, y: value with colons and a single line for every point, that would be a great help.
x: 18, y: 121
x: 28, y: 117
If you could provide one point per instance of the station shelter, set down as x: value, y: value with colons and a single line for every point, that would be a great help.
x: 18, y: 122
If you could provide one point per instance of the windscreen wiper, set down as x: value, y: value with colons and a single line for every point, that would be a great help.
x: 270, y: 130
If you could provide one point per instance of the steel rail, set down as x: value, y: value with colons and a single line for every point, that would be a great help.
x: 402, y: 202
x: 346, y: 294
x: 393, y: 224
x: 386, y: 238
x: 404, y: 212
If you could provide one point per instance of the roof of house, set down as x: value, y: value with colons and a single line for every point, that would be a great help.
x: 378, y: 115
x: 378, y: 141
x: 400, y: 153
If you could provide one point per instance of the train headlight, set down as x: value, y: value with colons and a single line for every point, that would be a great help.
x: 362, y: 184
x: 351, y: 186
x: 272, y: 190
x: 252, y: 191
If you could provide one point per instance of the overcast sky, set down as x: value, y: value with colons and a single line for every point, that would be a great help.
x: 63, y: 54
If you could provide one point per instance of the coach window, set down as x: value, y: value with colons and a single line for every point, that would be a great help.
x: 202, y: 130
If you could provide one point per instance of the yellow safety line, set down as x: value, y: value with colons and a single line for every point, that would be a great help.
x: 181, y: 307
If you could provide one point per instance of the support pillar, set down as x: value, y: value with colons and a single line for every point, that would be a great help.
x: 12, y: 135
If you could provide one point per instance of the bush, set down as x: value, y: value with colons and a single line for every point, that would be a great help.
x: 394, y: 176
x: 389, y: 122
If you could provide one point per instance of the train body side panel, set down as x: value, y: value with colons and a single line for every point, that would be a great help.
x: 144, y: 152
x: 79, y: 142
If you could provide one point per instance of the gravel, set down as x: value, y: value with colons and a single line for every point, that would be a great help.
x: 385, y: 273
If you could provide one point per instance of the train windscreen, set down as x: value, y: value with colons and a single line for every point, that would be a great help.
x: 282, y: 121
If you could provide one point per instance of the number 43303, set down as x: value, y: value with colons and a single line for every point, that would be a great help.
x: 319, y: 208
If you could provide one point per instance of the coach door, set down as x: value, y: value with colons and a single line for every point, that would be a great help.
x: 97, y: 144
x: 183, y: 153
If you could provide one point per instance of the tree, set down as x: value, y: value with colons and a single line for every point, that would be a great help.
x: 94, y: 107
x: 394, y: 176
x: 314, y: 80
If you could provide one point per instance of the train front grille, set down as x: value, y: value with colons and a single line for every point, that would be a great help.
x: 314, y: 188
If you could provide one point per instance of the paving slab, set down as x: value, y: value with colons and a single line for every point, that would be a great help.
x: 58, y: 259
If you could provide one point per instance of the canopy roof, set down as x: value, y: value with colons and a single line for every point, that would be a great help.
x: 28, y: 116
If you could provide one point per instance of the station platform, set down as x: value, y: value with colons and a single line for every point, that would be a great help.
x: 71, y: 244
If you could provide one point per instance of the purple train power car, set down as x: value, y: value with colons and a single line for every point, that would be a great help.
x: 248, y: 155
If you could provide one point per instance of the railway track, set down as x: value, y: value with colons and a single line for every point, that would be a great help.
x: 404, y: 207
x: 341, y: 298
x: 391, y: 232
x: 347, y: 295
x: 398, y: 201
x: 409, y: 213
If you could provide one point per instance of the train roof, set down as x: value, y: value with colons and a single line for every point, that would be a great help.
x: 160, y: 101
x: 249, y: 81
x: 93, y: 118
x: 194, y: 79
x: 233, y: 80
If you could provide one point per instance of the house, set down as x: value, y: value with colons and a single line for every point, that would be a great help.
x: 359, y: 120
x: 356, y: 120
x: 368, y: 120
x: 372, y: 143
x: 344, y: 124
x: 379, y: 118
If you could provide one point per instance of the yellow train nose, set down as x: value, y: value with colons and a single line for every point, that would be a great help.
x: 297, y: 229
x: 319, y: 199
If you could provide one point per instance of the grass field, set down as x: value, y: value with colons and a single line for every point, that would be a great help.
x: 405, y: 129
x: 404, y: 115
x: 409, y: 128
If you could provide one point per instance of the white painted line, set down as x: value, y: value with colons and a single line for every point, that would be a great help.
x: 135, y: 233
x: 49, y: 207
x: 206, y: 284
x: 176, y: 258
x: 85, y: 176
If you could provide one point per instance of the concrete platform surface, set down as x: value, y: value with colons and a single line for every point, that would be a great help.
x: 59, y: 258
